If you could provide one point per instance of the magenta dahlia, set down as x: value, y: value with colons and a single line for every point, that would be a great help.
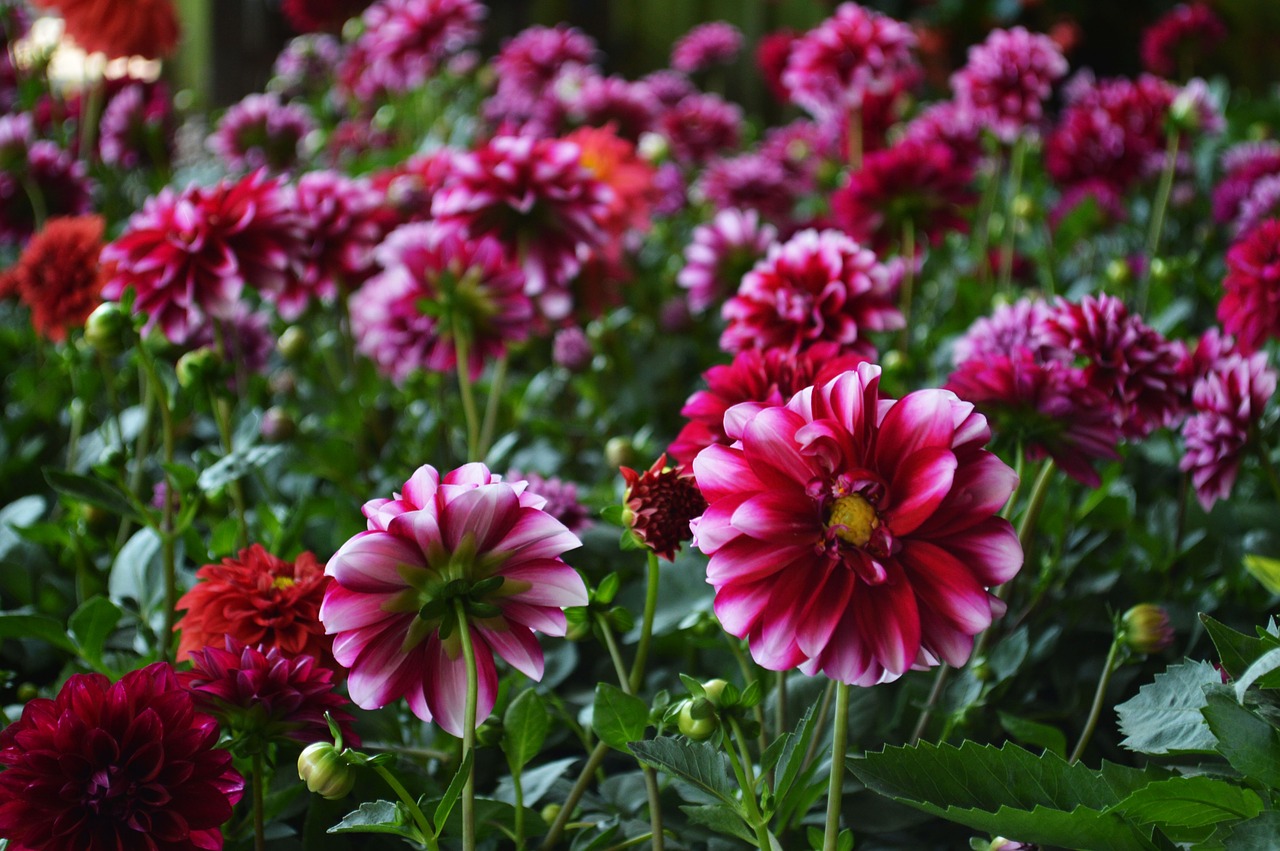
x: 1244, y: 165
x: 1010, y: 328
x: 706, y: 45
x: 262, y: 131
x: 1175, y: 43
x: 1229, y: 402
x: 625, y: 105
x: 106, y: 766
x: 304, y: 68
x: 36, y: 167
x: 538, y: 200
x: 856, y: 535
x: 1250, y: 306
x: 436, y: 285
x: 530, y: 61
x: 833, y: 67
x: 808, y: 152
x: 720, y: 253
x: 668, y: 87
x: 819, y: 286
x: 700, y: 126
x: 949, y: 123
x: 767, y: 378
x: 1008, y: 79
x: 463, y: 547
x: 339, y: 215
x: 1262, y: 203
x: 561, y: 496
x: 138, y: 128
x: 750, y: 181
x: 404, y: 43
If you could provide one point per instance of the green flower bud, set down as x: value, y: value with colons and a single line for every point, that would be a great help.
x: 620, y: 452
x: 550, y: 813
x: 197, y: 368
x: 1119, y: 272
x: 293, y: 343
x: 1024, y: 207
x: 1145, y: 628
x: 325, y: 772
x: 697, y: 729
x: 1161, y: 271
x: 713, y: 689
x: 107, y: 328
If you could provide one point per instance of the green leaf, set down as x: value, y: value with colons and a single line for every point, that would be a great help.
x: 18, y: 514
x: 1164, y: 716
x: 451, y: 795
x: 525, y: 725
x: 1011, y: 792
x: 379, y: 817
x: 791, y: 759
x: 1265, y: 570
x: 1044, y: 736
x: 91, y: 625
x: 93, y: 491
x: 40, y: 627
x: 1258, y: 834
x: 697, y: 763
x: 1262, y: 671
x: 722, y: 819
x: 617, y: 717
x: 1236, y: 650
x: 1249, y: 743
x: 1190, y: 802
x: 136, y: 572
x: 237, y: 465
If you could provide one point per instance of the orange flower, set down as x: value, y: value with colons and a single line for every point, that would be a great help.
x: 120, y: 27
x: 58, y: 275
x: 613, y: 161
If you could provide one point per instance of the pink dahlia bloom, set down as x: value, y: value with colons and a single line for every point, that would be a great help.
x: 1011, y: 327
x: 466, y: 541
x: 1008, y: 79
x: 1262, y: 203
x: 1128, y: 362
x: 668, y: 87
x: 819, y: 286
x: 807, y: 151
x: 538, y: 200
x: 720, y: 253
x: 832, y: 68
x: 706, y: 45
x: 530, y: 61
x: 561, y: 497
x: 305, y: 66
x: 436, y: 284
x: 41, y: 166
x: 1250, y: 306
x: 262, y: 131
x: 339, y: 217
x: 138, y: 128
x: 1245, y: 164
x: 750, y: 182
x: 1229, y: 402
x: 700, y: 126
x: 856, y: 535
x: 949, y: 123
x: 767, y: 378
x: 404, y: 43
x: 603, y: 101
x: 1175, y: 43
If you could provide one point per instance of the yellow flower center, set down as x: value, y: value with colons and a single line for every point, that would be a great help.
x: 283, y: 582
x: 853, y: 519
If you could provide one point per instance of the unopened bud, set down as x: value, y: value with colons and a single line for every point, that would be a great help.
x: 696, y: 728
x: 106, y: 328
x: 325, y: 772
x: 620, y: 452
x: 197, y: 368
x: 1146, y: 629
x: 713, y: 689
x: 1119, y: 272
x: 293, y: 343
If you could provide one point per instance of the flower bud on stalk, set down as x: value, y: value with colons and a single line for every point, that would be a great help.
x: 325, y: 771
x: 107, y: 328
x: 1145, y: 629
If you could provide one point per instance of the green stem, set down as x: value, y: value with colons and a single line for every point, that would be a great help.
x: 646, y: 623
x: 411, y: 804
x: 935, y: 692
x: 468, y: 729
x: 579, y: 789
x: 517, y: 787
x: 468, y: 396
x: 259, y: 817
x: 168, y: 548
x: 824, y: 710
x: 140, y: 452
x: 492, y: 405
x: 1108, y: 668
x: 985, y: 206
x: 1264, y: 459
x: 1158, y: 209
x: 89, y: 117
x: 908, y: 282
x: 222, y: 415
x: 747, y: 678
x: 835, y: 787
x: 1035, y: 502
x: 780, y: 707
x: 746, y: 780
x: 1010, y: 224
x: 611, y: 644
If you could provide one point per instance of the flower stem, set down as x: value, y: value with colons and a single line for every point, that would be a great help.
x: 824, y: 710
x: 646, y: 623
x: 168, y: 548
x: 611, y: 644
x: 1108, y: 668
x: 424, y: 826
x: 468, y: 728
x: 1158, y: 208
x: 517, y: 788
x: 259, y: 817
x: 985, y: 206
x: 747, y: 679
x: 491, y: 406
x: 468, y: 396
x: 746, y: 779
x: 780, y: 707
x: 908, y: 282
x: 1035, y: 502
x: 839, y: 743
x: 935, y: 692
x: 1264, y: 458
x: 1010, y: 226
x: 222, y: 414
x: 575, y: 795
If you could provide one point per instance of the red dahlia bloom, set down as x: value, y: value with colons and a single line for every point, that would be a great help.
x: 1250, y: 306
x: 120, y: 27
x: 658, y: 505
x: 58, y: 275
x: 259, y: 600
x: 816, y: 287
x: 772, y: 55
x: 769, y: 377
x: 107, y: 766
x: 1007, y: 80
x: 262, y: 695
x: 700, y: 126
x: 1175, y: 43
x: 856, y: 535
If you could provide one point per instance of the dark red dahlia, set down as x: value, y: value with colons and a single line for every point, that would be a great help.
x: 772, y: 54
x: 261, y: 695
x: 260, y: 600
x: 769, y: 377
x: 1176, y: 43
x: 751, y: 181
x: 916, y: 183
x: 700, y: 126
x: 328, y: 16
x: 58, y: 275
x: 659, y: 504
x: 103, y: 767
x: 1250, y: 306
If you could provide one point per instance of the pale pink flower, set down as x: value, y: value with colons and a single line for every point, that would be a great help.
x: 468, y: 541
x: 856, y: 535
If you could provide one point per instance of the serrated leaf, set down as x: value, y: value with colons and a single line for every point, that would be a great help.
x: 91, y: 625
x: 93, y: 491
x: 451, y: 794
x: 40, y: 627
x: 1249, y: 743
x: 525, y: 725
x: 1190, y: 802
x: 1236, y: 650
x: 1258, y: 834
x: 1031, y: 732
x: 1262, y: 671
x: 694, y: 762
x: 379, y: 817
x: 791, y: 759
x: 720, y: 818
x: 1164, y: 716
x: 617, y: 717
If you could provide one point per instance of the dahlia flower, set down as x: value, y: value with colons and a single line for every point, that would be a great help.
x: 668, y: 87
x: 816, y: 287
x: 767, y: 378
x: 856, y: 535
x: 1183, y: 36
x: 1007, y: 80
x: 561, y: 496
x: 531, y: 60
x: 403, y: 44
x: 138, y: 128
x: 1262, y: 203
x: 262, y: 131
x: 570, y: 349
x: 624, y: 105
x: 659, y: 504
x: 1244, y: 165
x: 435, y: 285
x: 1108, y: 204
x: 258, y: 599
x: 321, y: 16
x: 263, y: 695
x: 949, y: 123
x: 700, y: 126
x: 712, y: 43
x: 913, y: 182
x: 58, y: 276
x: 341, y: 230
x: 1010, y: 328
x: 773, y: 52
x: 463, y: 546
x: 304, y: 68
x: 109, y: 766
x: 119, y: 27
x: 1229, y: 402
x: 614, y: 162
x: 750, y: 182
x: 1250, y: 306
x: 720, y: 253
x: 832, y: 68
x: 538, y: 200
x: 40, y: 167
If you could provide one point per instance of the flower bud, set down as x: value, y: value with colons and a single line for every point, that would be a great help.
x: 550, y: 813
x: 695, y: 722
x: 1161, y: 271
x: 1024, y: 206
x: 277, y: 425
x: 713, y: 689
x: 619, y: 452
x: 195, y: 369
x: 1119, y: 272
x: 571, y: 349
x: 293, y: 343
x: 325, y: 772
x: 1145, y: 628
x: 106, y: 328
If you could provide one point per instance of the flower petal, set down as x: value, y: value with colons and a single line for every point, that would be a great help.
x: 445, y: 684
x: 515, y: 644
x: 918, y: 487
x: 722, y: 471
x: 371, y: 561
x: 486, y: 513
x: 916, y: 421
